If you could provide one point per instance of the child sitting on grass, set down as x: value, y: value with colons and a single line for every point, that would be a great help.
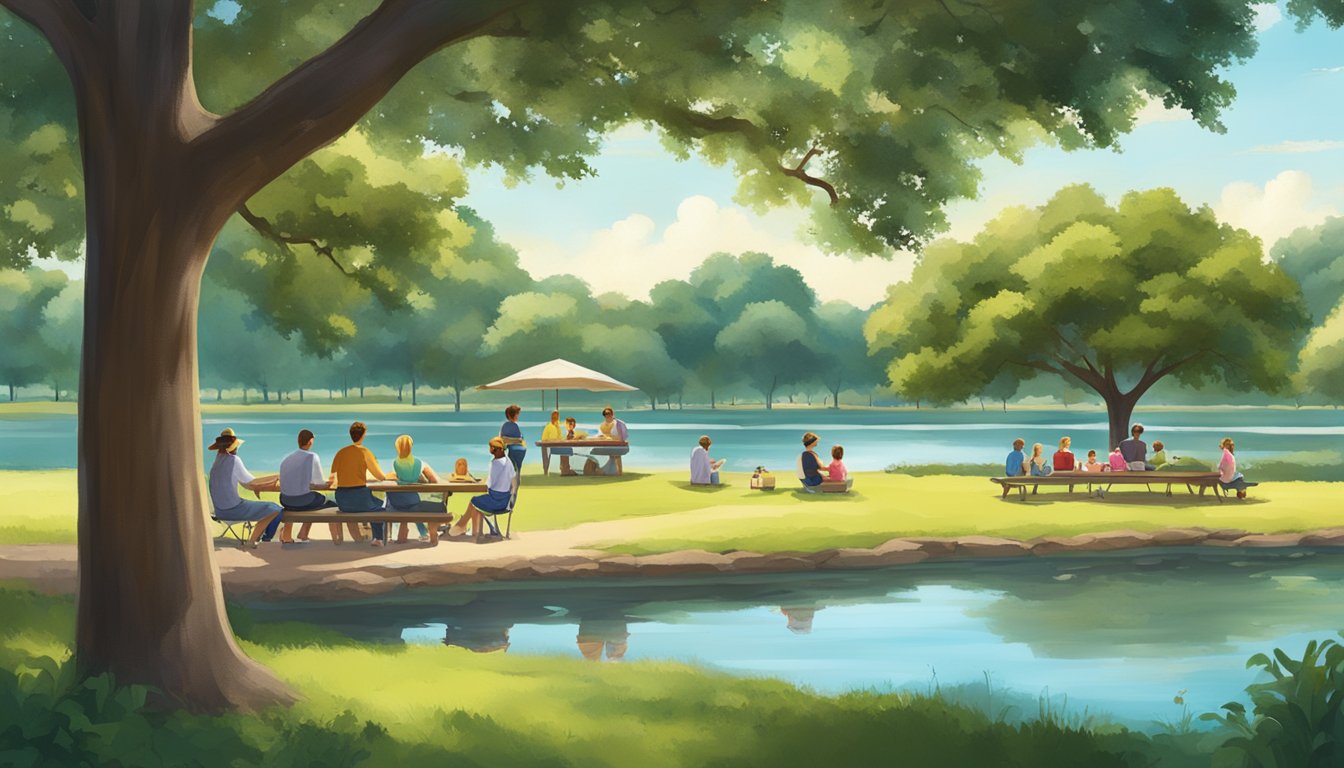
x: 837, y: 468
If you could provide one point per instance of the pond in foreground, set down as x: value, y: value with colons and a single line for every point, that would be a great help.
x: 1111, y: 637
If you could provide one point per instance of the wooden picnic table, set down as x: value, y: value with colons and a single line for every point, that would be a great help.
x: 1191, y: 480
x: 588, y: 442
x: 331, y: 515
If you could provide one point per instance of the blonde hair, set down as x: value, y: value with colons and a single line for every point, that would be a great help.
x: 1226, y: 443
x: 1036, y: 450
x: 404, y: 447
x: 1065, y: 442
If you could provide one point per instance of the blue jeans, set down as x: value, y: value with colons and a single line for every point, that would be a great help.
x: 516, y: 454
x: 307, y: 503
x: 361, y: 499
x: 1238, y: 484
x: 404, y: 501
x: 813, y: 480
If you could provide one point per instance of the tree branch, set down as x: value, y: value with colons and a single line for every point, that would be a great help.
x: 284, y: 239
x: 325, y: 96
x: 797, y: 172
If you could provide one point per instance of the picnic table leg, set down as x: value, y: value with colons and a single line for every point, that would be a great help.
x: 1007, y: 488
x: 1189, y: 489
x: 1168, y: 489
x: 545, y: 460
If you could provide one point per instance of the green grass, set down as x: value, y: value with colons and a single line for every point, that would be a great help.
x: 447, y: 706
x: 662, y: 512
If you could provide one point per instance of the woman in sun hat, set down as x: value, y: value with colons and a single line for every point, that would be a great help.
x: 226, y: 474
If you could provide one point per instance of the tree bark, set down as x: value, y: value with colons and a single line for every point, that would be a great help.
x: 414, y: 397
x: 56, y: 392
x: 1119, y: 411
x: 400, y: 388
x: 711, y: 398
x: 300, y: 394
x: 457, y: 398
x: 11, y: 393
x: 835, y: 393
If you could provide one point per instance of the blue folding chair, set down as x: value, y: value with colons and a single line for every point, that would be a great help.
x: 490, y: 517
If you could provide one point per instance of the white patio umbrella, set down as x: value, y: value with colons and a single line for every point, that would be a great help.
x: 557, y: 375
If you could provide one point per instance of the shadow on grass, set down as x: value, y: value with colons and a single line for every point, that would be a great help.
x: 683, y: 485
x: 554, y: 480
x: 1134, y: 498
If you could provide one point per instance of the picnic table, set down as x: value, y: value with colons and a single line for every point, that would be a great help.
x: 608, y: 448
x: 1191, y: 480
x: 331, y: 515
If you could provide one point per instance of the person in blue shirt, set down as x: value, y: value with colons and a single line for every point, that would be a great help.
x: 1013, y: 467
x: 512, y: 435
x: 809, y: 464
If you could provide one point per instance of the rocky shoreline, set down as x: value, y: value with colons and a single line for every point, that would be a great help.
x: 52, y: 568
x: 375, y: 580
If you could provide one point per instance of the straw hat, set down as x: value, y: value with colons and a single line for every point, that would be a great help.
x: 226, y: 439
x: 496, y: 442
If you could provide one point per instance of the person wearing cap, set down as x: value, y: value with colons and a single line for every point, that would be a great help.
x: 226, y: 474
x: 300, y: 478
x: 809, y: 464
x: 704, y: 470
x: 499, y: 489
x: 353, y: 465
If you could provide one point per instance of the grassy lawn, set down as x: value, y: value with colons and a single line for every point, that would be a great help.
x: 409, y: 706
x: 661, y: 512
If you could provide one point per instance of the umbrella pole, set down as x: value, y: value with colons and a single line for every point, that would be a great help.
x: 557, y: 399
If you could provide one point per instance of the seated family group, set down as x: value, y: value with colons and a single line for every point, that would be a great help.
x: 301, y: 480
x: 812, y: 472
x: 1129, y: 456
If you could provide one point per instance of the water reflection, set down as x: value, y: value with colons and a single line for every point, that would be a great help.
x: 1119, y: 633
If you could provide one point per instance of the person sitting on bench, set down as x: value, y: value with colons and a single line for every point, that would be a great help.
x: 1064, y: 460
x: 353, y: 464
x: 1016, y: 463
x: 410, y: 470
x: 809, y: 464
x: 1135, y: 451
x: 300, y: 477
x: 554, y: 431
x: 1228, y: 476
x: 499, y: 489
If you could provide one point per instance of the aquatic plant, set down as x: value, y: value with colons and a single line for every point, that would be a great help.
x: 1296, y: 722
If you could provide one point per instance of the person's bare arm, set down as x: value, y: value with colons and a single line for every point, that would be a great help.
x: 371, y: 464
x: 429, y: 475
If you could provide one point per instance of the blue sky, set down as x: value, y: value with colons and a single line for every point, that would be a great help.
x: 648, y: 216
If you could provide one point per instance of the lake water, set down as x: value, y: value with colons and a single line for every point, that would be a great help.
x: 1114, y: 637
x: 746, y: 438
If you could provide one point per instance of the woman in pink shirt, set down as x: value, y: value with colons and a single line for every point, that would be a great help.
x: 1228, y: 476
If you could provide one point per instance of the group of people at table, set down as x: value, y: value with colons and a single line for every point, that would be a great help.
x: 302, y: 479
x: 1129, y: 456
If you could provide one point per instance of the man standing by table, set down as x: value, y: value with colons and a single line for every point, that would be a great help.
x: 352, y: 465
x: 512, y: 436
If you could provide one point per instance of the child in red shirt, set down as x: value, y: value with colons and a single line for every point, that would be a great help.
x: 837, y: 467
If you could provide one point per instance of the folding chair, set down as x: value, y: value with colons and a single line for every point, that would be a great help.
x: 230, y: 527
x: 489, y: 517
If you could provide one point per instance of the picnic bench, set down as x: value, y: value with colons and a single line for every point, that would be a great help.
x: 432, y: 519
x: 838, y: 486
x: 1096, y: 480
x: 596, y: 446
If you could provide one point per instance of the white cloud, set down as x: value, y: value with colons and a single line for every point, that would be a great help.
x: 1297, y: 147
x: 1266, y: 16
x: 1283, y: 204
x: 1328, y: 70
x: 631, y: 255
x: 1156, y: 112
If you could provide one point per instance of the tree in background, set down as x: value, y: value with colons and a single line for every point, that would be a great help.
x: 1114, y: 298
x: 1314, y: 256
x: 25, y: 296
x: 842, y: 352
x: 1321, y: 364
x: 60, y: 332
x: 770, y: 345
x: 880, y: 112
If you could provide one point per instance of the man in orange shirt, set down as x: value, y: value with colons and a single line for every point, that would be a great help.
x: 352, y: 466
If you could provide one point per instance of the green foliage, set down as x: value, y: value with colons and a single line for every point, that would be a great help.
x: 27, y: 299
x: 1321, y: 362
x: 1112, y: 297
x: 1297, y: 720
x: 1314, y: 257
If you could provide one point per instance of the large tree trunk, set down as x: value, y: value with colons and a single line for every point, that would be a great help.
x: 151, y: 611
x: 1119, y: 410
x: 150, y: 606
